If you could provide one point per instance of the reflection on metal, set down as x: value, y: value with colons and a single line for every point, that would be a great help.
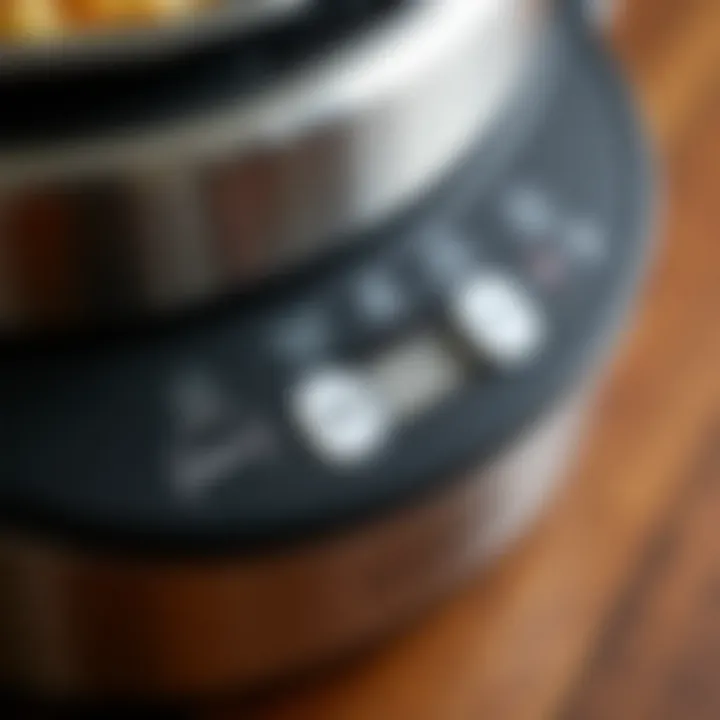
x: 202, y: 205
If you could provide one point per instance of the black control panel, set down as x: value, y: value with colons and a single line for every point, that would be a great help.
x: 362, y: 384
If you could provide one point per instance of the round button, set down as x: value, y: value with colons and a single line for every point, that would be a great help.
x: 302, y: 336
x: 341, y: 417
x: 500, y: 320
x: 445, y: 256
x: 379, y: 299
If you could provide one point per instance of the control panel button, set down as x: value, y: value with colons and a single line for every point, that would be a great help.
x: 303, y: 336
x: 341, y: 416
x: 379, y: 299
x: 500, y: 320
x: 528, y: 213
x: 445, y: 256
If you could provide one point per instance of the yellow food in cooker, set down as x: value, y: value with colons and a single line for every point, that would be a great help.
x: 22, y: 20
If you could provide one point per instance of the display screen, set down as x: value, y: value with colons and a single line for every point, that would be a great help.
x: 417, y: 375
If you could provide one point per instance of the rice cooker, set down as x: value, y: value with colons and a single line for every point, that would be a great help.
x: 299, y: 327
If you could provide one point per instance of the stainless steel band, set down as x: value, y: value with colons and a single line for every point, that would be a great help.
x: 158, y: 219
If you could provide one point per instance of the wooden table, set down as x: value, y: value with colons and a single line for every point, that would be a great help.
x: 611, y: 609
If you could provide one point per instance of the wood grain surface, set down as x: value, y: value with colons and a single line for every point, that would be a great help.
x: 611, y: 609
